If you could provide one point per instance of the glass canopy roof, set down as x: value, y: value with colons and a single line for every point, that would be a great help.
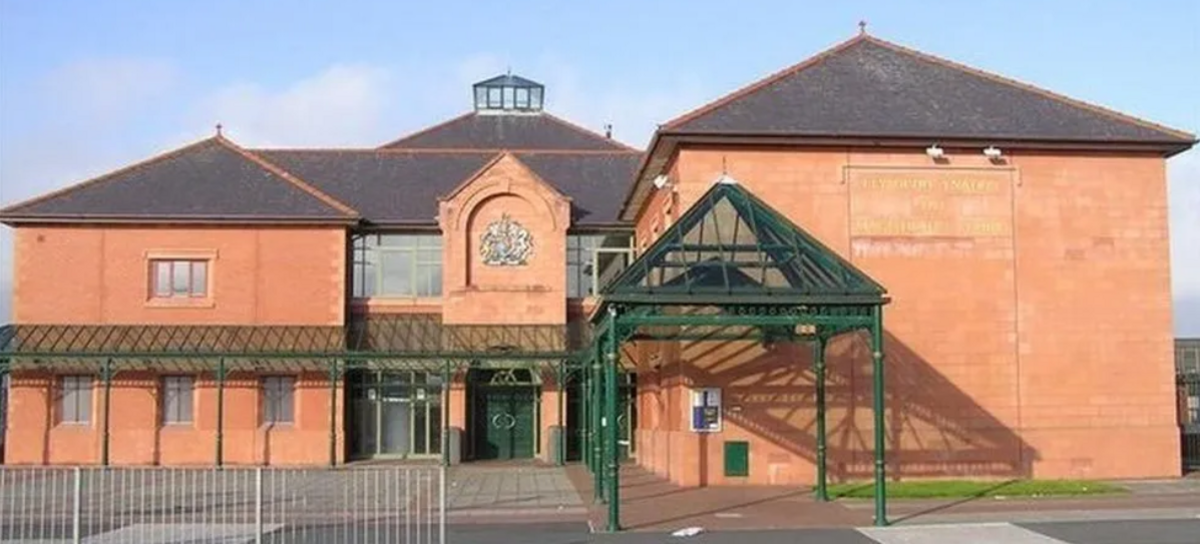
x: 731, y: 247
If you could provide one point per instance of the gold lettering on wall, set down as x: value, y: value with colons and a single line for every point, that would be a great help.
x: 930, y: 203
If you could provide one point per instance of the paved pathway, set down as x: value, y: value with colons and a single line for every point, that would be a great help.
x: 511, y: 492
x: 1095, y: 532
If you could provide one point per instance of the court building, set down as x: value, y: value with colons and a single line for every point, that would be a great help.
x: 876, y: 259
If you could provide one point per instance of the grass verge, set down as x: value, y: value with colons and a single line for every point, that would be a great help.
x: 953, y: 489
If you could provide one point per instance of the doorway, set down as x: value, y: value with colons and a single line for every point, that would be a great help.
x: 394, y: 414
x: 504, y: 414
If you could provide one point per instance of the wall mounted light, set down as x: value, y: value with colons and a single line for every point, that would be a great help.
x: 935, y: 152
x: 661, y: 181
x: 993, y: 153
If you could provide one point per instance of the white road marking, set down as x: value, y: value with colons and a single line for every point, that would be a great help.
x: 161, y: 533
x: 974, y: 533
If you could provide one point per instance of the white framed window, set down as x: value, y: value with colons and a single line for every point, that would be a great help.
x: 178, y: 278
x: 279, y: 400
x: 75, y: 400
x: 397, y: 265
x: 177, y: 395
x: 595, y: 259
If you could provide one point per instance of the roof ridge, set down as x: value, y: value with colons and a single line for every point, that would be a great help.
x: 449, y: 150
x: 588, y: 132
x: 429, y: 128
x: 537, y: 177
x: 764, y: 81
x: 162, y: 156
x: 473, y: 176
x: 288, y: 177
x: 1012, y: 82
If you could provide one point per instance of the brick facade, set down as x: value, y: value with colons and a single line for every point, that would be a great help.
x: 1022, y: 293
x: 1028, y: 333
x: 90, y: 275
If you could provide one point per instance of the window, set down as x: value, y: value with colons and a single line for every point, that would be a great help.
x: 177, y: 400
x: 397, y: 265
x: 178, y: 278
x: 279, y: 399
x: 75, y: 399
x: 614, y: 253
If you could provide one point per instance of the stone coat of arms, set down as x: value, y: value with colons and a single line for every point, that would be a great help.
x: 506, y: 243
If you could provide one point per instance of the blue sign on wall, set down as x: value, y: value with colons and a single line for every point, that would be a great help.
x: 706, y: 410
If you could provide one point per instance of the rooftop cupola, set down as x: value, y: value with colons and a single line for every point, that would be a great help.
x: 508, y: 94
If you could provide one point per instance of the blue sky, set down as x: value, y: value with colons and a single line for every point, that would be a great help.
x: 89, y: 86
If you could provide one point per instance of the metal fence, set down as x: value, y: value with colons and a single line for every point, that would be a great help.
x: 97, y: 505
x: 1189, y: 419
x: 1187, y: 381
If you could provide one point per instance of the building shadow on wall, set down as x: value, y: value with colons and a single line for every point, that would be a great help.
x: 934, y: 428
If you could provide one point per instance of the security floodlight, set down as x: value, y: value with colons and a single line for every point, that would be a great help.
x: 934, y: 152
x: 992, y: 152
x: 661, y: 181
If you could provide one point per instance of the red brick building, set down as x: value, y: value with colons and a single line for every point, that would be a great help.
x: 427, y: 297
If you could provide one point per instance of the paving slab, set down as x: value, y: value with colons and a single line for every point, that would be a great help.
x: 511, y: 492
x: 975, y: 533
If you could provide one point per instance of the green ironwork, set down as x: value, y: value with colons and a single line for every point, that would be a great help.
x: 106, y: 374
x: 446, y: 414
x: 822, y: 493
x: 732, y: 268
x: 409, y: 337
x: 597, y: 431
x: 730, y: 247
x: 333, y: 379
x: 220, y: 375
x: 611, y: 428
x: 560, y: 381
x: 877, y: 405
x: 1187, y: 382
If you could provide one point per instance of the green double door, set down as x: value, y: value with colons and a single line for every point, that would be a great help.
x: 504, y: 426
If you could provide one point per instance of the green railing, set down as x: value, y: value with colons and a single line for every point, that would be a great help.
x: 1187, y: 381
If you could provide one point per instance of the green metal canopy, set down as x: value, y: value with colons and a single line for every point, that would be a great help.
x: 407, y: 337
x: 731, y: 268
x: 731, y: 247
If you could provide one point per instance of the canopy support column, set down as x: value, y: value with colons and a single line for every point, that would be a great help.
x: 445, y: 413
x: 220, y: 453
x: 562, y: 425
x: 585, y: 439
x: 333, y: 379
x: 877, y: 372
x: 106, y: 374
x: 597, y: 429
x: 612, y: 429
x: 822, y: 493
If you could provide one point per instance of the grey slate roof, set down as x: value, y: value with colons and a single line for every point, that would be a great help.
x: 509, y: 80
x: 208, y: 180
x: 869, y: 87
x: 596, y: 182
x: 402, y: 187
x: 539, y: 131
x: 386, y: 187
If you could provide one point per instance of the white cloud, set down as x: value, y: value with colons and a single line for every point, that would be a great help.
x: 101, y: 89
x: 342, y: 105
x: 1183, y: 181
x: 634, y: 108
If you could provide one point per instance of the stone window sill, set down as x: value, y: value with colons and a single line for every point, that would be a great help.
x: 181, y: 303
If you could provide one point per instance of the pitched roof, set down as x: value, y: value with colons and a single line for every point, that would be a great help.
x: 514, y: 132
x: 595, y: 182
x: 731, y: 245
x: 212, y: 181
x: 403, y: 186
x: 386, y: 187
x: 870, y: 87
